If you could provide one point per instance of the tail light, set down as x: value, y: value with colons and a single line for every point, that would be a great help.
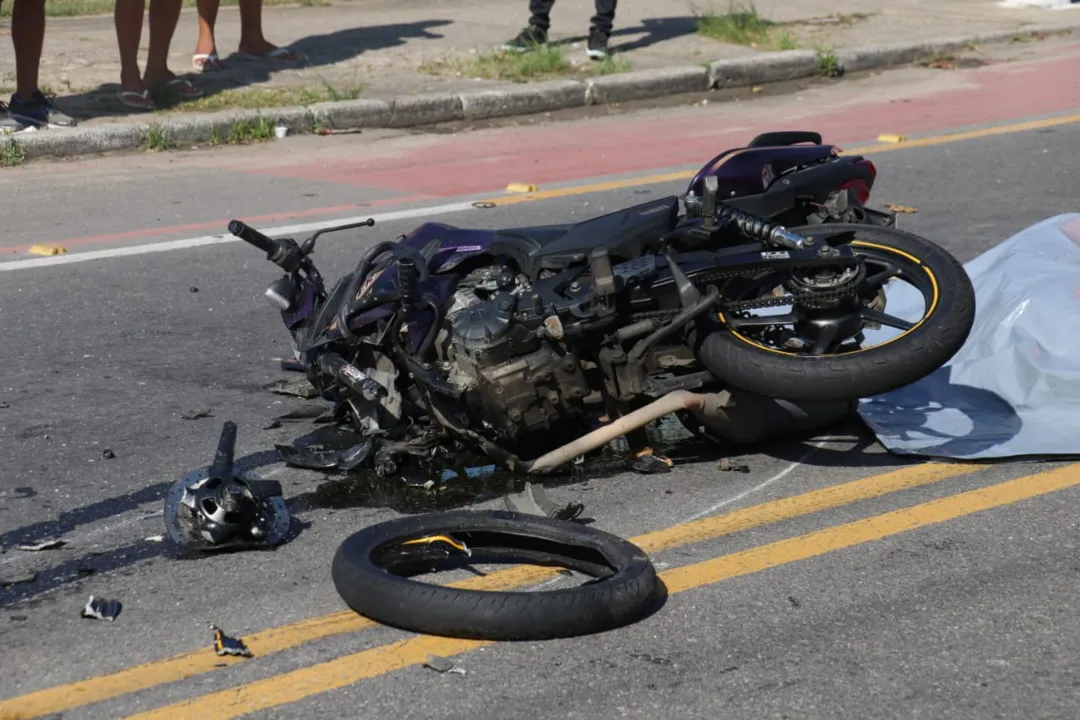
x: 862, y: 192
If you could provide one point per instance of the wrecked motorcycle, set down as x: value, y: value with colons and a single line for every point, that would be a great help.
x: 538, y: 345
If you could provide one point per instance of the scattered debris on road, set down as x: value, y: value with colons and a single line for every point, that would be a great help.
x: 45, y: 545
x: 101, y: 609
x: 727, y: 466
x: 533, y: 500
x: 108, y: 454
x: 156, y: 538
x: 443, y: 665
x: 298, y: 387
x: 18, y: 579
x: 893, y: 207
x: 197, y: 414
x: 225, y: 645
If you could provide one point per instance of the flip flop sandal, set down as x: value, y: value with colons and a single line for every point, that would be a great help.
x: 281, y: 53
x: 142, y: 100
x: 206, y: 62
x: 185, y: 88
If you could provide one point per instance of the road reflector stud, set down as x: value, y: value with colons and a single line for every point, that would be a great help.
x: 47, y: 250
x: 520, y: 188
x: 891, y: 138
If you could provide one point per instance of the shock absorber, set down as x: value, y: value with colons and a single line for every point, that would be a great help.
x: 758, y: 228
x: 407, y: 276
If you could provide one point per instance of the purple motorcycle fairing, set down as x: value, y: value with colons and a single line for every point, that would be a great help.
x: 750, y: 171
x: 740, y: 172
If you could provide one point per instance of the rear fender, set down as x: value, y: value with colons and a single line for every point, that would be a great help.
x: 813, y: 184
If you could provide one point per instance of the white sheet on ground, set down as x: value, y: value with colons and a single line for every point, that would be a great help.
x: 1014, y: 388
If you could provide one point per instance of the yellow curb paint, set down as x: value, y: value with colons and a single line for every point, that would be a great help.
x: 46, y: 250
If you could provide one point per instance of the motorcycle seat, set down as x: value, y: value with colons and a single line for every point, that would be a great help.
x: 625, y: 233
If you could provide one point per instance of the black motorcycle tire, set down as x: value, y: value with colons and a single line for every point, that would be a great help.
x: 863, y: 373
x: 400, y: 602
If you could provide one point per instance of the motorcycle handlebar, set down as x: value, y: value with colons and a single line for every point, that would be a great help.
x: 252, y: 236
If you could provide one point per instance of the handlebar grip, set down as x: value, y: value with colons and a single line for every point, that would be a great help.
x: 252, y: 236
x: 351, y: 376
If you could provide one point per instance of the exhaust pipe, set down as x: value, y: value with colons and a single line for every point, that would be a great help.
x: 738, y: 417
x: 672, y: 402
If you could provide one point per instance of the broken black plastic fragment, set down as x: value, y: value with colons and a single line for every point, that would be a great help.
x: 44, y: 545
x: 314, y: 413
x: 225, y: 645
x: 196, y: 415
x: 101, y: 609
x: 316, y: 457
x: 533, y: 500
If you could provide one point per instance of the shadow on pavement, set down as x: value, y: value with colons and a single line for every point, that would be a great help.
x: 656, y: 30
x: 240, y: 72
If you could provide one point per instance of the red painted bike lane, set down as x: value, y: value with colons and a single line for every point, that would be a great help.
x: 433, y: 167
x: 486, y: 161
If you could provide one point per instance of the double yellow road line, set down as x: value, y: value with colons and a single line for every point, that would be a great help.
x: 343, y: 671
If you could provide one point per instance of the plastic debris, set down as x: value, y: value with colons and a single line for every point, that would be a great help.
x: 196, y: 415
x: 296, y: 386
x: 156, y: 538
x: 534, y: 501
x: 108, y: 454
x: 46, y: 545
x: 101, y: 609
x: 18, y: 579
x: 443, y: 665
x: 225, y: 645
x: 727, y: 466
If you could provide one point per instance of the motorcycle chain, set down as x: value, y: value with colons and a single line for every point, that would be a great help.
x: 806, y: 297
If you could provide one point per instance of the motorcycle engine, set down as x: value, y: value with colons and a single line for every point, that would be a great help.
x: 514, y: 382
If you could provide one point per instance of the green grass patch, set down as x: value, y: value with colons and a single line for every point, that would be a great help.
x: 256, y: 98
x: 543, y: 62
x: 612, y: 64
x: 72, y: 8
x: 158, y: 138
x: 828, y: 63
x: 243, y: 131
x: 743, y: 25
x: 12, y: 153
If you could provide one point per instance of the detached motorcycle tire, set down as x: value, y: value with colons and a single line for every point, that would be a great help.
x: 919, y: 351
x: 627, y: 587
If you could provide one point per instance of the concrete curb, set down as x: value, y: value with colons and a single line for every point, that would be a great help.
x: 521, y: 99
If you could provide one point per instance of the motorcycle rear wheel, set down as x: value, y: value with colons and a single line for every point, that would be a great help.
x: 739, y: 356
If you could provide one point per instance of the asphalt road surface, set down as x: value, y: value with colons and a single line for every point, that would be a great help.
x: 820, y: 583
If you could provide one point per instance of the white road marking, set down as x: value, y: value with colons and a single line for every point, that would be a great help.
x: 168, y: 246
x: 757, y: 488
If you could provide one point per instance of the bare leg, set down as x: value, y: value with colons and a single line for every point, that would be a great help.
x: 164, y: 15
x: 208, y: 12
x: 251, y: 34
x: 28, y: 35
x: 128, y: 16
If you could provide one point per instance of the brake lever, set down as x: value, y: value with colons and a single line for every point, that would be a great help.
x: 309, y: 244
